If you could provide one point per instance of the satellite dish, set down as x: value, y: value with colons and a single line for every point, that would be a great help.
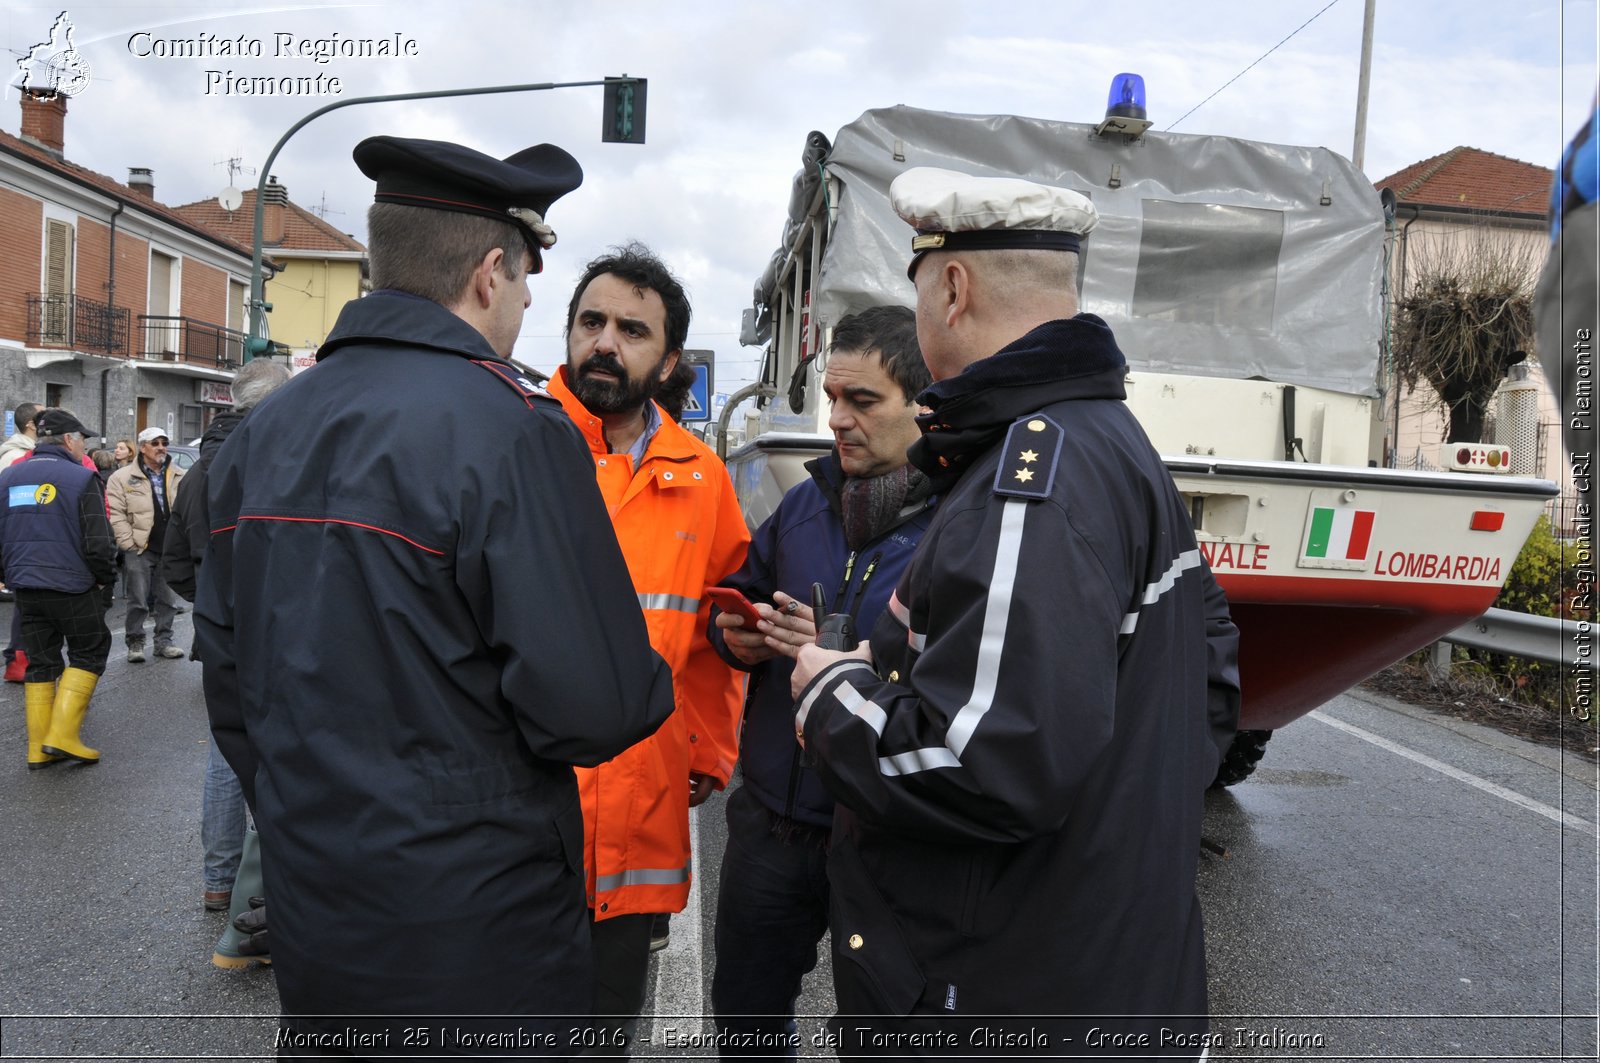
x: 230, y: 198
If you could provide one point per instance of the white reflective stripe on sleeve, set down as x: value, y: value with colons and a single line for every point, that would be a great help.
x: 851, y: 698
x: 819, y: 682
x: 898, y: 609
x: 677, y: 603
x: 915, y: 639
x: 918, y: 760
x: 991, y: 644
x: 1182, y: 563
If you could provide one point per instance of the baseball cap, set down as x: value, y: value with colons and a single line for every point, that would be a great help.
x: 59, y: 423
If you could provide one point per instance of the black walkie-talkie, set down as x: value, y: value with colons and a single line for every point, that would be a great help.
x: 835, y: 631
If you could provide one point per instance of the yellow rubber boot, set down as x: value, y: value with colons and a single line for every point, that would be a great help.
x: 40, y: 701
x: 71, y: 705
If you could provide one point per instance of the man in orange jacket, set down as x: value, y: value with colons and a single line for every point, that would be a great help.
x: 676, y: 516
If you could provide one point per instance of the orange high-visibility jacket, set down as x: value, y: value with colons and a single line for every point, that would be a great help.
x: 681, y: 531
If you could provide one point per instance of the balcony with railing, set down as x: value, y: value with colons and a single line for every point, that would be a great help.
x: 79, y: 324
x: 183, y: 339
x: 73, y: 323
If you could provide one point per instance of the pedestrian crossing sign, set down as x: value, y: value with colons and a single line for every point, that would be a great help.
x: 697, y: 405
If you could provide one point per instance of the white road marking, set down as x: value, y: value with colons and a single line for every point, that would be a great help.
x: 1554, y: 814
x: 679, y: 991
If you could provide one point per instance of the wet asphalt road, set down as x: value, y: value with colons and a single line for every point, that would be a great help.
x: 1392, y: 885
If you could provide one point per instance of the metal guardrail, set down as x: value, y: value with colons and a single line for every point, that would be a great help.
x: 1538, y: 638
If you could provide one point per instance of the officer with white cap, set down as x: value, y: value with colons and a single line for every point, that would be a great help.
x: 414, y: 620
x: 1021, y: 751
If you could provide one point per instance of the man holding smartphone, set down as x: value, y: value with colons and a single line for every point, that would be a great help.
x: 853, y: 528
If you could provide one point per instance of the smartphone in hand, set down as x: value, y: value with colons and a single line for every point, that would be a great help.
x: 731, y: 601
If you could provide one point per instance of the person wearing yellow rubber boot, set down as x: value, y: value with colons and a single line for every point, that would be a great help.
x: 56, y: 552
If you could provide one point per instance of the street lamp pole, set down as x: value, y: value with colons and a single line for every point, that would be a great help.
x: 1358, y: 151
x: 256, y: 342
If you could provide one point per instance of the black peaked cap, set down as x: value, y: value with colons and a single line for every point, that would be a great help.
x: 439, y: 175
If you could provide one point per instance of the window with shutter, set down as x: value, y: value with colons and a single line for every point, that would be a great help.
x: 238, y: 317
x: 161, y: 327
x: 56, y: 314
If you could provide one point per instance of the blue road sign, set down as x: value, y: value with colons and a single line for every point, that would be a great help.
x: 697, y: 407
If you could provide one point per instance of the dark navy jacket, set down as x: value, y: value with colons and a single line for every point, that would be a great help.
x: 414, y: 619
x: 802, y: 543
x: 1021, y: 773
x: 53, y: 529
x: 188, y: 533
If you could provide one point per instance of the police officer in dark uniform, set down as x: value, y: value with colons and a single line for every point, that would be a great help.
x: 407, y: 647
x: 56, y: 552
x: 1020, y: 754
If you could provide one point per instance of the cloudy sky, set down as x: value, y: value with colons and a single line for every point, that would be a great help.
x: 734, y: 87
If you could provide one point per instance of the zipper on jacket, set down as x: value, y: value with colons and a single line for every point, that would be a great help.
x: 844, y: 585
x: 794, y: 784
x: 861, y: 588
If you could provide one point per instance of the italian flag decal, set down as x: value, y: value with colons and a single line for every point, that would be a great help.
x: 1341, y: 534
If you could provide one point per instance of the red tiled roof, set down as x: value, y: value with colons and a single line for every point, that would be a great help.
x: 1480, y: 180
x: 302, y: 230
x: 72, y: 171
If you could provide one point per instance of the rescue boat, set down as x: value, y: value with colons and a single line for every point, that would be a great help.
x: 1246, y: 283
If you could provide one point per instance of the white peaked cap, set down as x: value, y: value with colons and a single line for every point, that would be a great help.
x: 954, y: 211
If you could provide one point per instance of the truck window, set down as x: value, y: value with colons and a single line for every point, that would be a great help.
x: 1208, y: 264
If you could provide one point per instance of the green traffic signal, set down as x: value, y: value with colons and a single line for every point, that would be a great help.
x: 622, y: 112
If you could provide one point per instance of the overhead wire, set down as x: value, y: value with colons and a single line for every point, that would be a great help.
x: 1247, y: 69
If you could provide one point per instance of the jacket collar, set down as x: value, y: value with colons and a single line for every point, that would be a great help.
x: 389, y: 316
x: 222, y: 426
x: 52, y: 450
x: 1059, y: 361
x: 671, y: 440
x: 828, y: 474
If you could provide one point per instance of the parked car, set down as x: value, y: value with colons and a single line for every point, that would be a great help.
x: 183, y: 457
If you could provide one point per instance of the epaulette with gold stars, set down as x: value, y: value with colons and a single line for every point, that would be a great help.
x: 1028, y: 460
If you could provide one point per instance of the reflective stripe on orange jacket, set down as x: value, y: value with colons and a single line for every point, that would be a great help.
x: 681, y: 531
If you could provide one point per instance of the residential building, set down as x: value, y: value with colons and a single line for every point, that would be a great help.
x: 320, y: 268
x: 111, y: 304
x: 1468, y: 201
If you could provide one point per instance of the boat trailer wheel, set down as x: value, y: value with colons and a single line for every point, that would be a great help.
x: 1245, y: 752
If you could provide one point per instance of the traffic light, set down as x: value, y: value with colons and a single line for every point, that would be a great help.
x: 622, y: 111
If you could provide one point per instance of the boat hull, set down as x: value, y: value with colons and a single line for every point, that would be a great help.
x: 1332, y: 573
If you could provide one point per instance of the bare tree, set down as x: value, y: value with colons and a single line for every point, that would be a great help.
x: 1465, y: 317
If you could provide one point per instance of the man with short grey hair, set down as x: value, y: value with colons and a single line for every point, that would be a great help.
x: 222, y: 811
x: 187, y: 534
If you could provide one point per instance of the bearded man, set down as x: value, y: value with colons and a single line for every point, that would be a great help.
x: 676, y: 516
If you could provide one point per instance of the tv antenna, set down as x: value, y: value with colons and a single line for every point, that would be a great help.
x: 322, y: 210
x: 231, y: 198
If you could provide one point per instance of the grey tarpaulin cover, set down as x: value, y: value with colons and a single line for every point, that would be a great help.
x: 1214, y: 256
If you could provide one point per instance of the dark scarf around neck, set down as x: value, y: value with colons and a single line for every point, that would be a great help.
x: 871, y: 505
